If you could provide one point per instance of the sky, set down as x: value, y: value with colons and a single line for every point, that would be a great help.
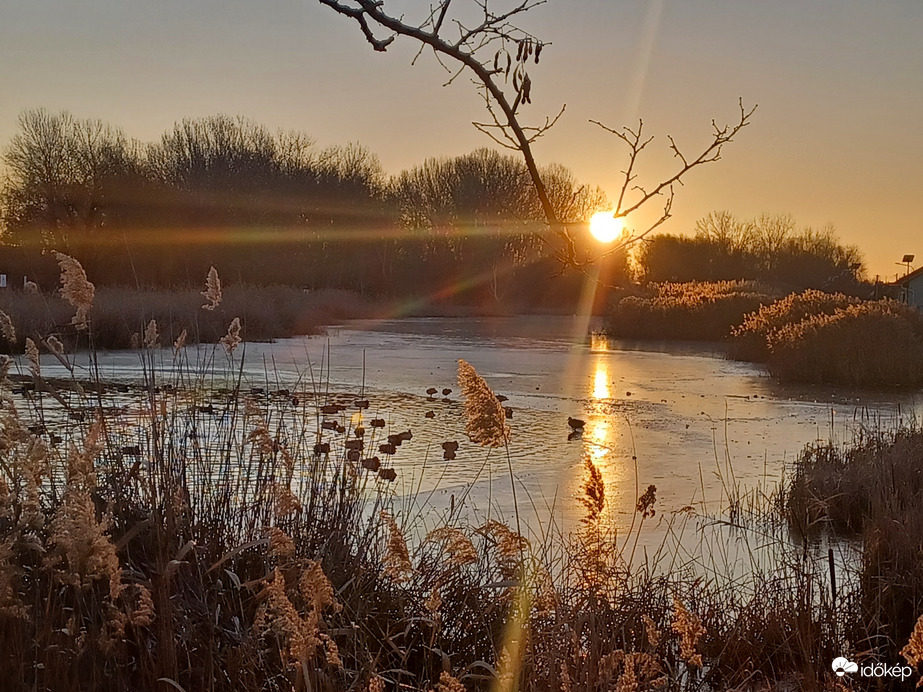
x: 836, y: 139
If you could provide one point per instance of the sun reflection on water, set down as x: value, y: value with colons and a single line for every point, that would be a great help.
x: 598, y: 342
x: 601, y: 436
x: 596, y: 438
x: 601, y: 381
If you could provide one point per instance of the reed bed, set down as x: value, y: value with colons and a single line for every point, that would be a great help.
x: 120, y: 315
x: 696, y: 310
x: 180, y: 536
x: 831, y: 338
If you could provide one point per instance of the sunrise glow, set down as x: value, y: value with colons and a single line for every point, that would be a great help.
x: 605, y: 227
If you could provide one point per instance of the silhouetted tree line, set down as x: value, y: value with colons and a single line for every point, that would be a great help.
x: 275, y: 208
x: 770, y: 249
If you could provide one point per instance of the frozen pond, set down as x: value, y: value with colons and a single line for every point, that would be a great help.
x: 678, y: 416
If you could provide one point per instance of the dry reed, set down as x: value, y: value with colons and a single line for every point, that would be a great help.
x: 485, y: 419
x: 76, y: 289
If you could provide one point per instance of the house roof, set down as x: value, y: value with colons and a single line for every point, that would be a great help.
x: 915, y: 274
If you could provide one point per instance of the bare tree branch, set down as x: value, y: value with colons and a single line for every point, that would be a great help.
x: 721, y: 136
x: 467, y: 50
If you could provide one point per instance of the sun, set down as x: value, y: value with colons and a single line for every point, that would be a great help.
x: 605, y: 227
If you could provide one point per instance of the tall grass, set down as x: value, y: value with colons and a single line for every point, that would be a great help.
x: 751, y: 337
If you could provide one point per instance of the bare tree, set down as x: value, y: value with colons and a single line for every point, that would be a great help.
x: 477, y: 37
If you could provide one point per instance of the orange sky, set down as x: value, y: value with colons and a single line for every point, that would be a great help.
x: 839, y: 83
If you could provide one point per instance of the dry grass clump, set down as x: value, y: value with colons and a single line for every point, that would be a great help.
x: 694, y: 310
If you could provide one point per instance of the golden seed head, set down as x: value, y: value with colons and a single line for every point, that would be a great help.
x: 212, y: 292
x: 75, y: 288
x: 447, y: 683
x: 280, y: 543
x: 180, y: 341
x: 151, y: 335
x: 913, y: 652
x: 35, y: 367
x: 690, y: 630
x: 485, y: 419
x: 460, y: 549
x: 397, y: 558
x: 594, y: 492
x: 231, y: 340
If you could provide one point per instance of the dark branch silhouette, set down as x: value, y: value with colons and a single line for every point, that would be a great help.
x: 721, y: 135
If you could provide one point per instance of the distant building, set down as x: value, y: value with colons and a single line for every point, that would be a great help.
x: 911, y: 287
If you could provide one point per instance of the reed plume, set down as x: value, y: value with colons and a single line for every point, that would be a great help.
x: 278, y: 616
x: 460, y: 549
x: 285, y: 502
x: 6, y: 328
x: 690, y: 630
x: 35, y: 366
x: 447, y: 683
x: 509, y: 544
x: 55, y: 346
x: 280, y: 543
x: 397, y: 558
x: 143, y: 613
x: 485, y: 419
x: 75, y: 288
x: 316, y: 589
x: 594, y: 493
x: 151, y: 335
x: 646, y: 502
x: 913, y: 652
x: 212, y: 292
x: 180, y: 342
x: 81, y: 540
x: 231, y: 340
